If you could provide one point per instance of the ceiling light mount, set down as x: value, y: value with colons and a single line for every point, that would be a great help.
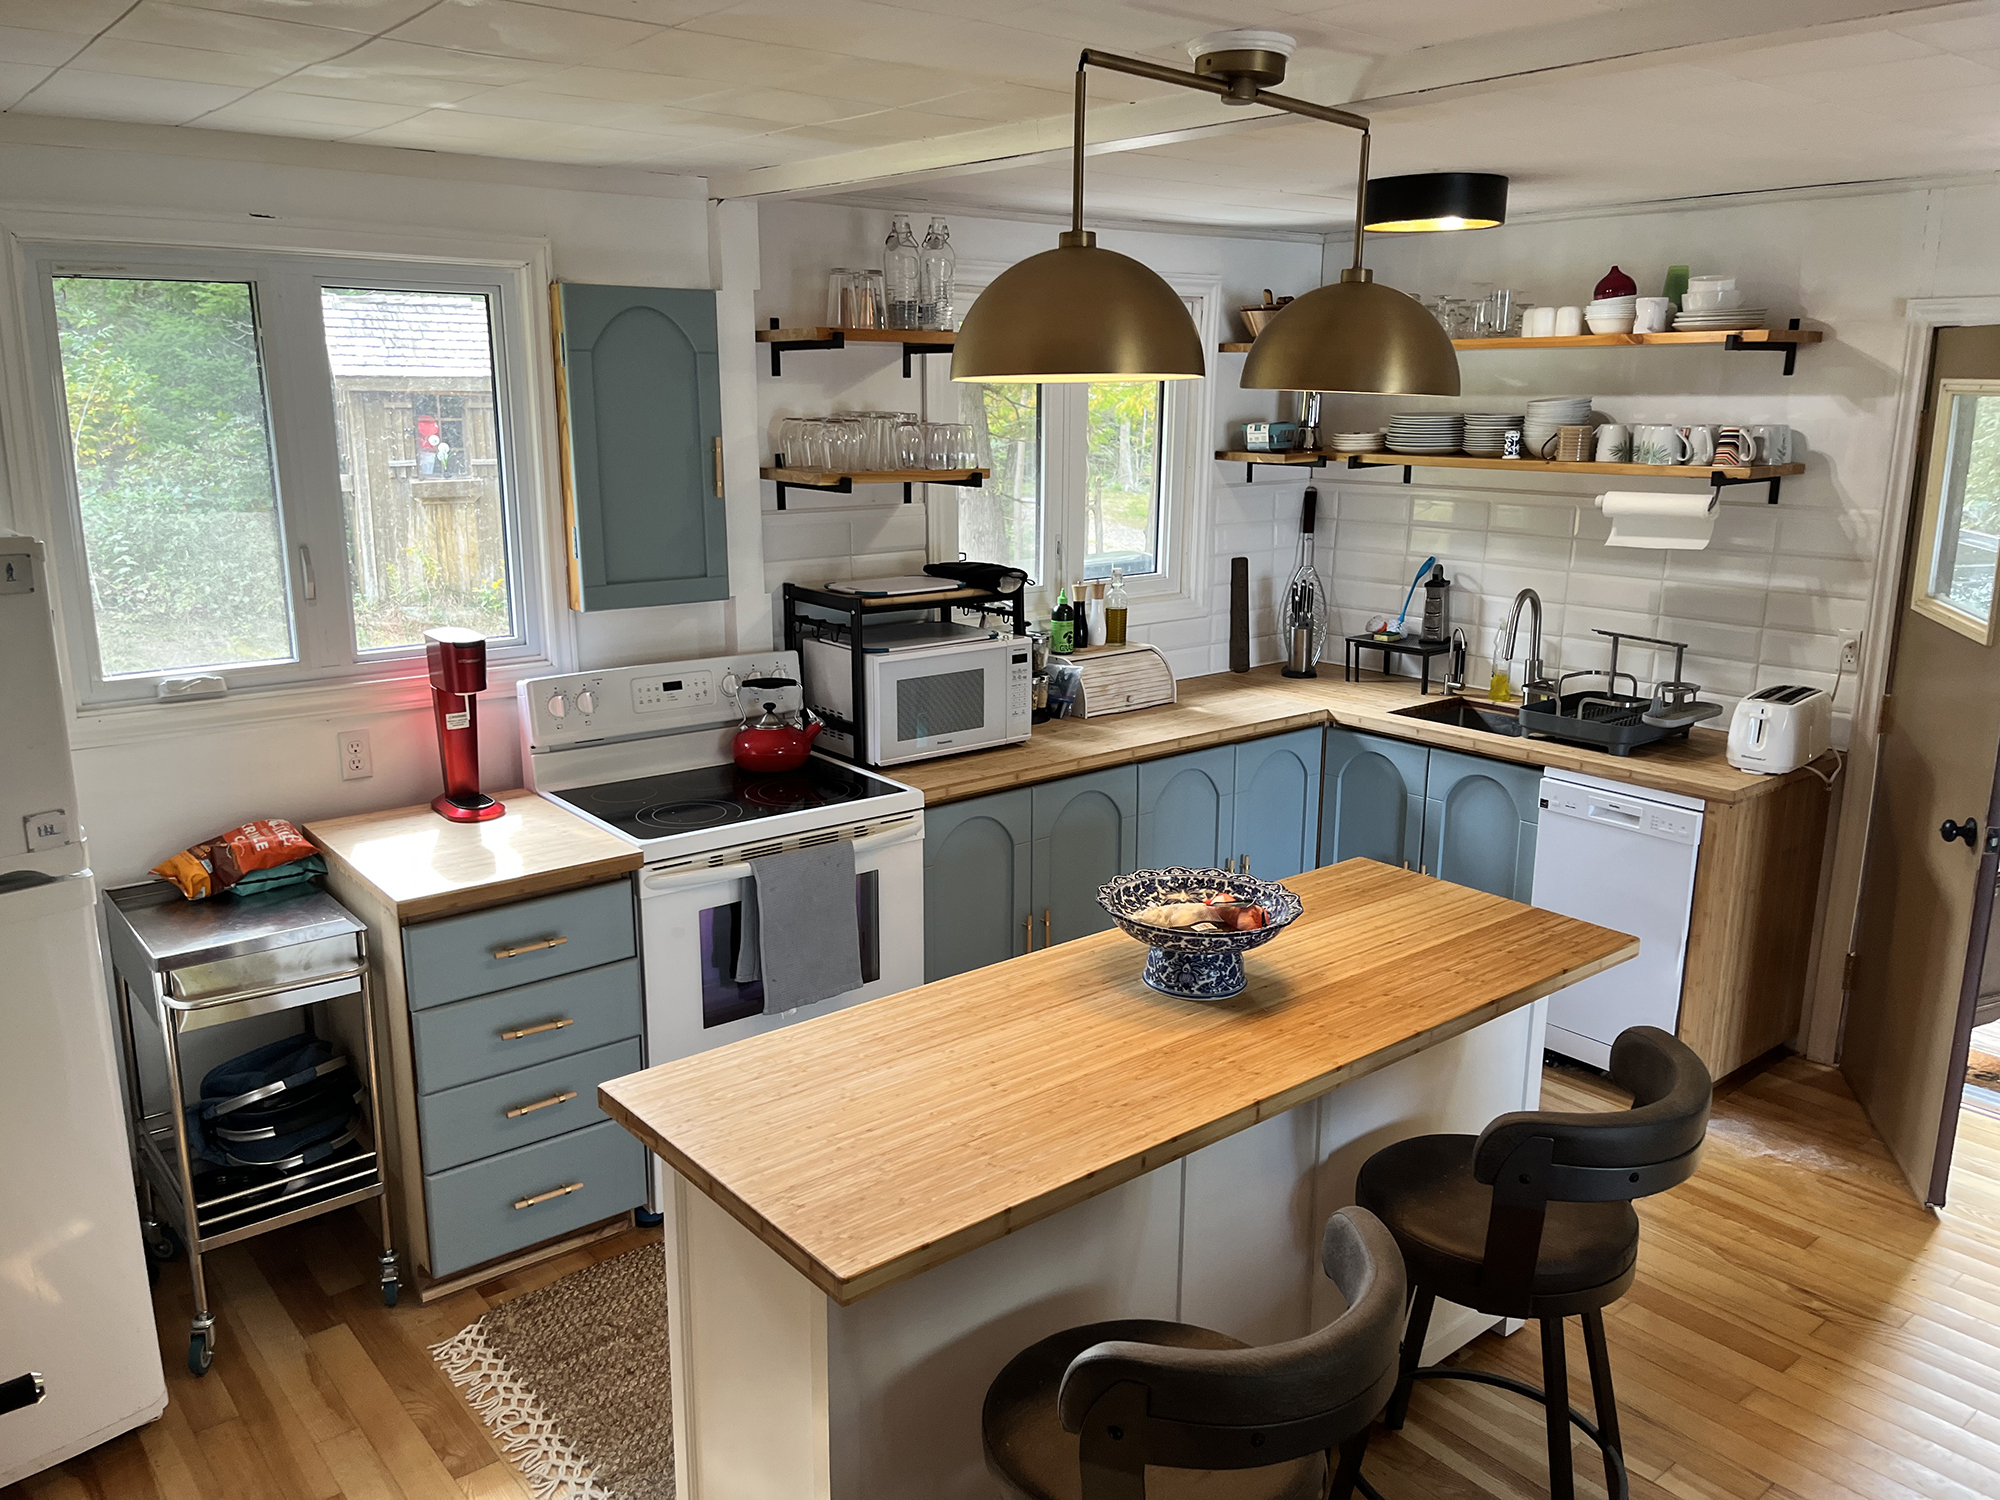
x: 1245, y: 61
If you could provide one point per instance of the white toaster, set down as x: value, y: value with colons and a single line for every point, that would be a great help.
x: 1780, y: 729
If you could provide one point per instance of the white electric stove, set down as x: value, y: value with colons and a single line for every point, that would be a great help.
x: 644, y: 753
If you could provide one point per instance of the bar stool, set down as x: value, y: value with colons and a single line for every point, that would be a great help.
x: 1137, y: 1408
x: 1533, y: 1218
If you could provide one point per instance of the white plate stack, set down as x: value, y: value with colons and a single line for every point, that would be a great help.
x: 1612, y: 314
x: 1486, y: 432
x: 1712, y: 304
x: 1426, y: 432
x: 1545, y: 415
x: 1354, y: 442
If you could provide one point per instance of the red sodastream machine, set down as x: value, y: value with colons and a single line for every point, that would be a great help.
x: 458, y: 674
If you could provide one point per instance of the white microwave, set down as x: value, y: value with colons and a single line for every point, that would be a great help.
x: 926, y: 690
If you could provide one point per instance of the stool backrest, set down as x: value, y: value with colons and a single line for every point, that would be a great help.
x: 1138, y: 1404
x: 1535, y: 1159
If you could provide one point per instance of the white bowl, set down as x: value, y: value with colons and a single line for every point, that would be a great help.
x: 1608, y: 302
x: 1704, y: 300
x: 1726, y: 283
x: 1621, y: 324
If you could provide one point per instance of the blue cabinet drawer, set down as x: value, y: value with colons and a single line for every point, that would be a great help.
x: 519, y: 1198
x: 518, y: 1028
x: 505, y: 946
x: 482, y: 1119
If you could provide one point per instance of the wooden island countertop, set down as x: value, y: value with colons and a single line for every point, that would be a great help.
x: 872, y: 1144
x: 1227, y: 707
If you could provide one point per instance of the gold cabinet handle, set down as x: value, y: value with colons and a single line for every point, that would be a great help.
x: 1028, y: 933
x: 527, y: 1109
x: 561, y: 1192
x: 1047, y: 941
x: 537, y: 1029
x: 534, y: 947
x: 718, y: 468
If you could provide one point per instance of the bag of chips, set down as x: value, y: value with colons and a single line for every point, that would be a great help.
x: 208, y: 868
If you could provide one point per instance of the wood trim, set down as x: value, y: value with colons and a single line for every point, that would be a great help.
x: 572, y: 555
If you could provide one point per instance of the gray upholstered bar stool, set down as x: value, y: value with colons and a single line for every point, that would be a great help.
x: 1146, y: 1410
x: 1533, y: 1218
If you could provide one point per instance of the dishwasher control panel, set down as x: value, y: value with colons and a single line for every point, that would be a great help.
x: 1641, y: 815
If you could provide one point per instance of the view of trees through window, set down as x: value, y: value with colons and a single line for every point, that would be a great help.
x: 170, y: 434
x: 1968, y: 540
x: 1122, y: 527
x: 1002, y: 520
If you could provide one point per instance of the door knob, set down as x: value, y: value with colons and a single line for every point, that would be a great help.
x: 1968, y: 830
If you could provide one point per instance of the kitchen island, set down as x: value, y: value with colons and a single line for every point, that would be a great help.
x: 870, y: 1213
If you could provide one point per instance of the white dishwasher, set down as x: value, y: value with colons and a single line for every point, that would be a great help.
x: 1624, y: 860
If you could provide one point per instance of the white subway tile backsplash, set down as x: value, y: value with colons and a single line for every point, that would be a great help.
x: 1374, y: 505
x: 1742, y: 572
x: 1795, y: 649
x: 1732, y: 642
x: 1447, y: 545
x: 1436, y: 510
x: 1827, y: 533
x: 1602, y: 592
x: 1372, y: 536
x: 1701, y: 601
x: 1821, y: 614
x: 1528, y: 551
x: 1538, y: 520
x: 1382, y: 567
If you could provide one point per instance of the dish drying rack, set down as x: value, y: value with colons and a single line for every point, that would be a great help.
x: 1610, y: 720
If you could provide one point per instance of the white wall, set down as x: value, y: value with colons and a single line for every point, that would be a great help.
x: 196, y: 769
x: 872, y: 533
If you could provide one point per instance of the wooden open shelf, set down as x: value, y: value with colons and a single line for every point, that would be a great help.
x: 1774, y: 338
x: 1736, y: 473
x: 936, y: 338
x: 843, y: 484
x: 1284, y: 456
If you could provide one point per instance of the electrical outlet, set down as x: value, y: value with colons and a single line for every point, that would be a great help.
x: 1850, y: 651
x: 356, y: 759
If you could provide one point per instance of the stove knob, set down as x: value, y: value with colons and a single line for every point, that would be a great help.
x: 586, y: 703
x: 558, y: 705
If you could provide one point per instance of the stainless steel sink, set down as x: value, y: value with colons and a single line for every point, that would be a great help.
x: 1465, y: 714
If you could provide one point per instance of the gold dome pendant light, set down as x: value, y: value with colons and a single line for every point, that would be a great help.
x: 1082, y: 313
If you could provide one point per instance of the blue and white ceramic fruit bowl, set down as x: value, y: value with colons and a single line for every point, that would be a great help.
x: 1179, y: 961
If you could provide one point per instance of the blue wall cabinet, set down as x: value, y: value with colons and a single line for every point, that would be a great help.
x: 976, y: 882
x: 1277, y: 803
x: 640, y: 407
x: 1480, y: 818
x: 1186, y: 810
x: 1372, y: 799
x: 1086, y: 831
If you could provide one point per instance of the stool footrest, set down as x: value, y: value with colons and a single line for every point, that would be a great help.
x: 1614, y: 1460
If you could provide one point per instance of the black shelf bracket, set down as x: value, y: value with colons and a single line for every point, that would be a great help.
x: 1250, y: 469
x: 844, y: 487
x: 1720, y: 480
x: 1355, y: 463
x: 919, y: 349
x: 786, y: 346
x: 1787, y: 347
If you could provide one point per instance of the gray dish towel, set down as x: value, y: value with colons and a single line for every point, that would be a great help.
x: 806, y: 931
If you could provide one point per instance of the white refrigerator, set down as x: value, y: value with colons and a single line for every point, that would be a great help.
x: 79, y: 1359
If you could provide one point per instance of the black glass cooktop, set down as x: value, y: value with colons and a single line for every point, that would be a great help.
x: 652, y: 807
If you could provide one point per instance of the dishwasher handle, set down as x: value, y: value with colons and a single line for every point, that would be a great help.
x: 661, y: 882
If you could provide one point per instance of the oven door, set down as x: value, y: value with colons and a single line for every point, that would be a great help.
x: 691, y: 922
x: 942, y: 702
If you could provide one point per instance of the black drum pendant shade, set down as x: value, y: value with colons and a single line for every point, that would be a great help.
x: 1427, y: 202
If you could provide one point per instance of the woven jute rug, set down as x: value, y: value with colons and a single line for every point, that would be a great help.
x: 572, y: 1379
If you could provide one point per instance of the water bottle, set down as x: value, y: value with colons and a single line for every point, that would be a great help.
x: 938, y: 272
x: 900, y: 274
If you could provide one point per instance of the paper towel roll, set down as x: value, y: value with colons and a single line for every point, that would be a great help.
x: 1678, y: 522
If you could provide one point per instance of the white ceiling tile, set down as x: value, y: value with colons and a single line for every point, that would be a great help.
x: 1906, y: 78
x: 883, y: 33
x: 285, y: 44
x: 24, y: 46
x: 508, y: 28
x: 650, y: 12
x: 779, y: 107
x: 74, y: 17
x: 1001, y: 102
x: 1960, y: 34
x: 392, y: 72
x: 17, y: 79
x: 366, y: 16
x: 529, y: 102
x: 1821, y: 54
x: 283, y: 113
x: 112, y: 54
x: 119, y: 96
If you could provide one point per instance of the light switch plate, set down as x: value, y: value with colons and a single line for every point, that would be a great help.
x: 47, y: 830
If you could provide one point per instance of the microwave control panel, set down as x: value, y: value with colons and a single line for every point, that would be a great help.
x: 1020, y: 692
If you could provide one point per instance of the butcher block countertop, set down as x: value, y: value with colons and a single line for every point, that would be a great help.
x: 423, y: 865
x: 1228, y: 707
x: 869, y: 1145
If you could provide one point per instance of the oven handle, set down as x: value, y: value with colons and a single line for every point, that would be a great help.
x: 676, y: 880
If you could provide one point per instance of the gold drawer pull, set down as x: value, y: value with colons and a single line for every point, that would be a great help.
x: 537, y: 1029
x: 537, y: 947
x: 527, y: 1109
x: 562, y: 1192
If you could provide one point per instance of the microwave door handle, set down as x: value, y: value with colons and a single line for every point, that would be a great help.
x: 674, y: 880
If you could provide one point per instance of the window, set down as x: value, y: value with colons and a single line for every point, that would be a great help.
x: 284, y: 468
x: 1958, y: 559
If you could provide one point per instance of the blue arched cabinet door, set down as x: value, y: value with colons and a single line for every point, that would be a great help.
x: 1372, y: 799
x: 976, y: 882
x: 641, y: 409
x: 1480, y: 821
x: 1277, y: 803
x: 1186, y: 810
x: 1086, y: 831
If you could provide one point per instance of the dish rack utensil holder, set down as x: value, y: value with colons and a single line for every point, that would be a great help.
x: 1611, y: 720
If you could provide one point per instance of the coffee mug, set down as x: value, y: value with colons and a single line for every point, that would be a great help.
x: 1700, y: 442
x: 1774, y: 443
x: 1569, y: 322
x: 1573, y: 443
x: 1658, y: 445
x: 1614, y: 443
x: 1652, y: 314
x: 1735, y: 445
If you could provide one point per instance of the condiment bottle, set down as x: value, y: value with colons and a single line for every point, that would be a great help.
x: 1062, y: 627
x: 1094, y: 611
x: 1499, y: 687
x: 1116, y: 603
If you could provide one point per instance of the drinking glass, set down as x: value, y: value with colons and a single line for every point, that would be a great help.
x: 791, y: 443
x: 909, y: 444
x: 836, y: 295
x: 843, y: 445
x: 811, y: 439
x: 864, y: 300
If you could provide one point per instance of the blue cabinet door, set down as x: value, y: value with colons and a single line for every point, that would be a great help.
x: 1277, y: 803
x: 1480, y: 819
x: 976, y: 882
x: 1186, y: 810
x: 641, y: 411
x: 1372, y: 799
x: 1086, y: 831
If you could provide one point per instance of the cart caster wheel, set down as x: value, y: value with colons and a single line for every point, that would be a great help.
x: 643, y: 1220
x: 389, y: 1289
x: 201, y: 1354
x: 162, y: 1244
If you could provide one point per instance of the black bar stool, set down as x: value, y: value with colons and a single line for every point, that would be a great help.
x: 1533, y: 1219
x: 1128, y: 1409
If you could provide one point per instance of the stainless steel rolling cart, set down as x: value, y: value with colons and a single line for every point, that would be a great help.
x: 191, y: 965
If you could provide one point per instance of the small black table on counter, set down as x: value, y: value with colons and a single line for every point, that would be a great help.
x: 1407, y: 645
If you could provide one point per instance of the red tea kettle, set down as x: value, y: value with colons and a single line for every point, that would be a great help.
x: 777, y: 741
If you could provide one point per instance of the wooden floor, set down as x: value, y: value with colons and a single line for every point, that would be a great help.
x: 1800, y: 1330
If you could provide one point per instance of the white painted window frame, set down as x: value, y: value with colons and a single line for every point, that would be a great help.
x: 1924, y: 598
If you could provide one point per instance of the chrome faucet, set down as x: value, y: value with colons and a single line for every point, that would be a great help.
x: 1533, y: 602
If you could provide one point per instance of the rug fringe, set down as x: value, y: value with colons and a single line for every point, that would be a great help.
x: 553, y: 1468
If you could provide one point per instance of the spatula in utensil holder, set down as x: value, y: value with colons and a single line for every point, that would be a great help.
x: 1305, y: 617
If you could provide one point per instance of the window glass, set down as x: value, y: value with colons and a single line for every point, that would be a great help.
x: 1122, y: 520
x: 170, y: 438
x: 420, y: 472
x: 1965, y: 547
x: 1002, y: 520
